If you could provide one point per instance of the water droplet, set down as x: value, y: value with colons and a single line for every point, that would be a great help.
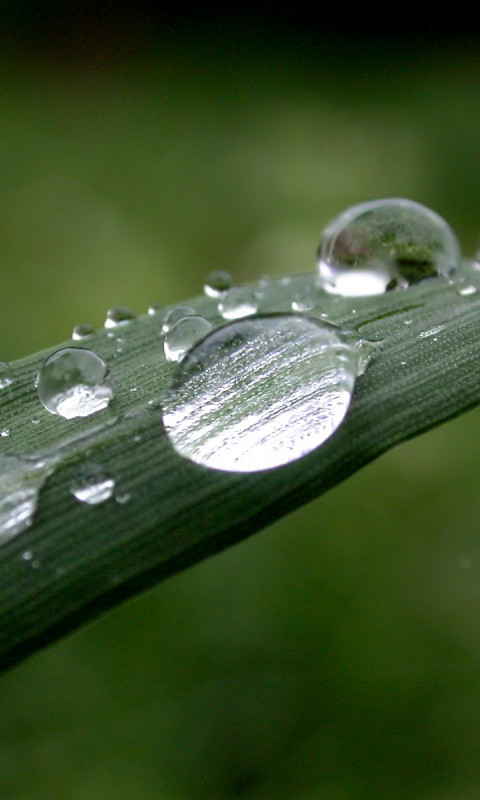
x: 92, y: 485
x: 5, y: 432
x: 261, y: 392
x: 184, y: 335
x: 175, y: 314
x: 155, y: 308
x: 467, y: 289
x: 123, y: 498
x: 19, y: 489
x: 430, y: 332
x: 237, y: 303
x: 35, y: 420
x: 382, y: 245
x: 217, y: 282
x: 74, y: 382
x: 29, y: 559
x: 304, y: 300
x: 120, y: 315
x: 82, y: 331
x: 6, y: 375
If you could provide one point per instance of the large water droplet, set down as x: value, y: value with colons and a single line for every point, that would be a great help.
x: 92, y: 485
x: 385, y: 244
x: 74, y: 382
x: 20, y: 484
x: 120, y: 315
x: 183, y: 335
x: 261, y: 392
x: 237, y: 303
x: 217, y: 282
x: 6, y: 375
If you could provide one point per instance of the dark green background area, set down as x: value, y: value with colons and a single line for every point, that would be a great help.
x: 336, y: 655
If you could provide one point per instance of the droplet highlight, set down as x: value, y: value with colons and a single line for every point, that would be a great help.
x: 237, y: 303
x: 93, y: 485
x: 74, y: 382
x: 261, y: 392
x: 183, y: 335
x: 385, y: 244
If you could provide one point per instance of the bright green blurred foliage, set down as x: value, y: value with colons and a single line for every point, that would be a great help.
x: 335, y: 656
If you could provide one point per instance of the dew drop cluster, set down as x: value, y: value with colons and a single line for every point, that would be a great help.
x: 249, y: 386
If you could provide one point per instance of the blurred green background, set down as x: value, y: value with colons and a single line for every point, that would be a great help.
x: 335, y: 655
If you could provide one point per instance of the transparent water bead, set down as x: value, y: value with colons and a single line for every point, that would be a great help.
x: 119, y: 315
x: 217, y: 282
x: 179, y: 312
x: 304, y: 300
x: 92, y: 485
x: 6, y: 375
x: 382, y: 245
x: 237, y: 303
x: 20, y: 484
x: 261, y: 392
x: 82, y: 331
x: 74, y: 382
x: 155, y: 308
x: 183, y: 335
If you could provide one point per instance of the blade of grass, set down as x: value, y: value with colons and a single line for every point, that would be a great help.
x: 75, y: 561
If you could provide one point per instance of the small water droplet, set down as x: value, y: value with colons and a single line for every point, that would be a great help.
x: 6, y: 375
x: 92, y: 485
x: 5, y: 432
x: 183, y: 335
x: 382, y: 245
x: 431, y: 332
x: 467, y: 289
x: 217, y: 282
x: 82, y: 331
x: 123, y: 498
x: 237, y: 303
x: 155, y: 308
x: 175, y: 314
x: 261, y: 392
x: 74, y: 382
x: 19, y: 489
x: 35, y: 420
x: 29, y: 559
x: 304, y: 300
x: 120, y: 315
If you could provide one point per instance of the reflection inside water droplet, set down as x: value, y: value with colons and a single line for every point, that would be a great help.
x: 19, y: 489
x: 175, y: 314
x: 93, y: 485
x: 183, y: 335
x: 382, y: 245
x: 237, y: 303
x: 261, y: 392
x: 74, y: 382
